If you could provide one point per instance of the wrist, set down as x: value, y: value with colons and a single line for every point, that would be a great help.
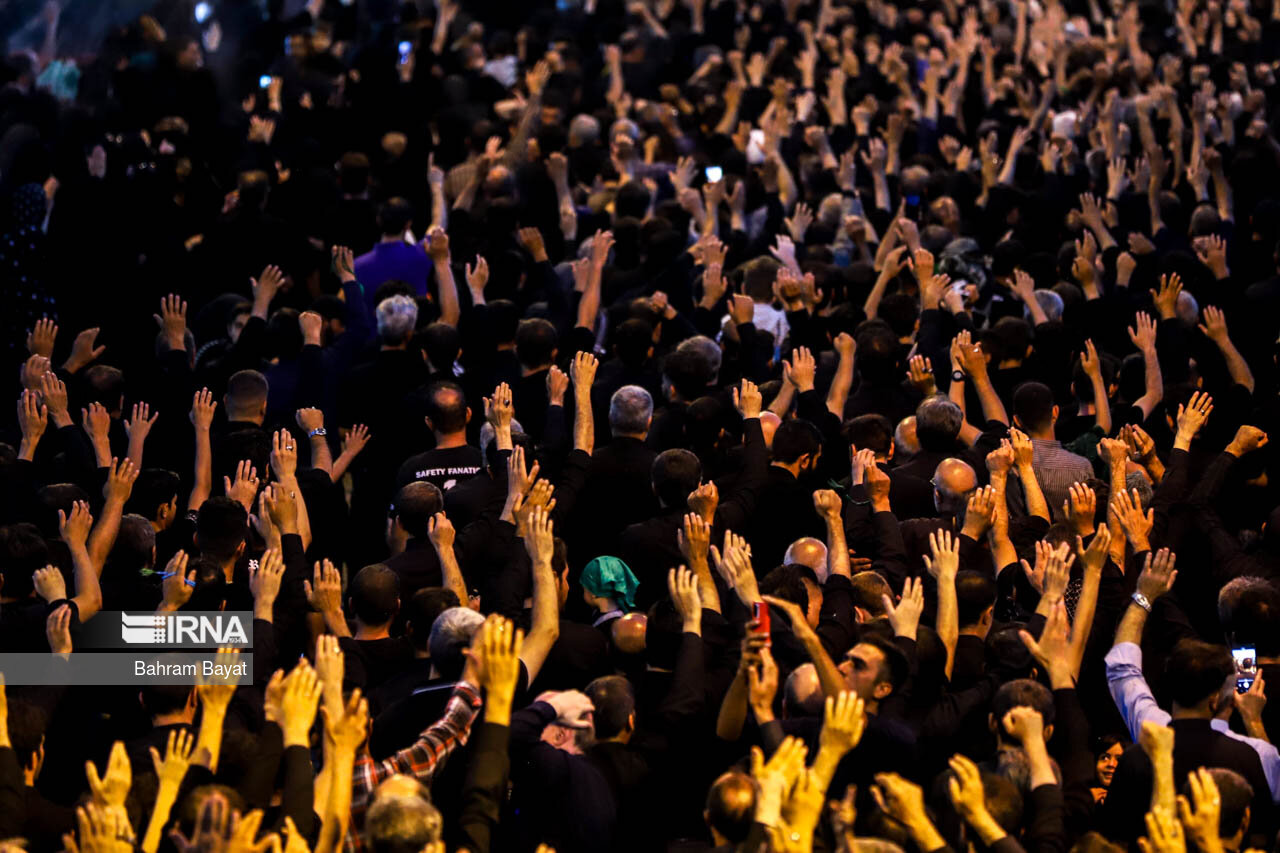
x: 693, y: 625
x: 294, y: 735
x: 880, y: 505
x: 176, y: 342
x: 763, y: 713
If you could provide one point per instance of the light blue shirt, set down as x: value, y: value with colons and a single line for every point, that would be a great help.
x: 1137, y: 705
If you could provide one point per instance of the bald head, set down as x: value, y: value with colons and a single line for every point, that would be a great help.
x: 953, y: 480
x: 769, y: 423
x: 809, y: 552
x: 804, y: 692
x: 628, y: 633
x: 731, y: 806
x: 904, y: 437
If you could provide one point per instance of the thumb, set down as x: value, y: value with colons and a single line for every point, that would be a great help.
x: 155, y: 758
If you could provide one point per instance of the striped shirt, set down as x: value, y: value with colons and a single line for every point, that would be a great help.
x: 1056, y: 470
x: 421, y: 760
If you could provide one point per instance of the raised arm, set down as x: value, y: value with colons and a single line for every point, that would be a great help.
x: 1214, y: 328
x: 437, y: 247
x: 544, y: 628
x: 442, y: 535
x: 943, y: 565
x: 1143, y: 335
x: 202, y: 408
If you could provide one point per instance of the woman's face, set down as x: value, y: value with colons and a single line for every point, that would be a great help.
x: 1107, y: 762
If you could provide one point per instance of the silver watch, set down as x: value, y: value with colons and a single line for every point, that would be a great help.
x: 1142, y: 601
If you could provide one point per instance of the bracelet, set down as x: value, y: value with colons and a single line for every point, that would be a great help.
x: 317, y: 431
x: 1142, y: 601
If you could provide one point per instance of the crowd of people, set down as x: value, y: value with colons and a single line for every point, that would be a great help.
x: 650, y: 425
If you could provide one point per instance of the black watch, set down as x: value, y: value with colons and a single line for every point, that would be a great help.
x: 957, y: 376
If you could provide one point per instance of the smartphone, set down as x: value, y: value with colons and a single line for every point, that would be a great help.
x: 405, y: 48
x: 760, y: 613
x: 1246, y: 658
x: 713, y: 173
x: 264, y: 81
x: 202, y: 12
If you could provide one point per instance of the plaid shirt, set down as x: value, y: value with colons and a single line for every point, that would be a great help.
x: 419, y: 761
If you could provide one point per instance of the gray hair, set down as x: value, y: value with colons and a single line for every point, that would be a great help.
x: 938, y: 418
x: 708, y: 349
x: 1231, y: 593
x: 630, y: 409
x: 397, y: 316
x: 402, y: 823
x: 451, y: 633
x: 584, y: 129
x: 1051, y: 303
x: 487, y: 434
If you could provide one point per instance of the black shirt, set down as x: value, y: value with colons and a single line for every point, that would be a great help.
x: 443, y: 468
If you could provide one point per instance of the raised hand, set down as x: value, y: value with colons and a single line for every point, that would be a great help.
x: 694, y: 538
x: 1193, y: 415
x: 83, y: 350
x: 244, y: 489
x: 498, y: 409
x: 1247, y: 439
x: 324, y: 590
x: 111, y: 788
x: 1200, y: 814
x: 284, y: 456
x: 1143, y: 334
x: 74, y: 529
x: 57, y: 630
x: 264, y: 582
x: 177, y: 585
x: 904, y: 616
x: 539, y: 538
x: 172, y: 321
x: 49, y: 584
x: 747, y: 400
x: 683, y: 588
x: 172, y: 769
x: 41, y: 338
x: 298, y: 704
x: 203, y: 407
x: 1166, y: 297
x: 1126, y: 508
x: 1081, y: 508
x: 844, y: 720
x: 1158, y: 574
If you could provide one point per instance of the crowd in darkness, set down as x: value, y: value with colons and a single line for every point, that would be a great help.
x: 645, y: 424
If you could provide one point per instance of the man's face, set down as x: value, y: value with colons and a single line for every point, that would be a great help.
x: 861, y: 669
x: 237, y: 326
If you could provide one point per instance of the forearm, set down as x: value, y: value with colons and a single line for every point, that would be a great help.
x: 782, y: 403
x: 1101, y: 405
x: 838, y: 393
x: 449, y: 309
x: 992, y: 406
x: 203, y: 475
x: 321, y: 456
x: 1082, y: 624
x: 337, y: 812
x: 209, y: 737
x: 88, y: 597
x: 733, y: 710
x: 452, y: 572
x: 1036, y: 504
x: 837, y: 547
x: 1154, y: 383
x: 1040, y: 766
x: 304, y: 520
x: 166, y: 796
x: 947, y: 619
x: 103, y: 536
x: 544, y: 626
x: 584, y: 428
x: 1131, y: 625
x: 1236, y: 365
x: 829, y: 676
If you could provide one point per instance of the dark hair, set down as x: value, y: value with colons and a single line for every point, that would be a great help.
x: 535, y: 342
x: 878, y: 360
x: 503, y: 320
x: 975, y: 593
x: 869, y: 432
x: 896, y: 667
x: 675, y: 473
x: 160, y: 699
x: 795, y: 438
x: 105, y: 384
x: 1236, y: 795
x: 353, y: 174
x: 442, y: 344
x: 1195, y: 671
x: 900, y: 311
x: 758, y: 276
x: 421, y: 612
x: 731, y: 806
x: 22, y: 551
x: 868, y: 590
x: 688, y: 371
x: 1022, y: 693
x: 27, y: 722
x: 447, y: 407
x: 245, y: 389
x: 220, y: 528
x: 414, y: 505
x: 284, y: 335
x: 632, y: 340
x: 154, y: 488
x: 210, y: 592
x: 787, y: 583
x: 1033, y: 405
x: 375, y: 594
x: 252, y: 444
x: 632, y: 200
x: 615, y: 701
x: 394, y: 216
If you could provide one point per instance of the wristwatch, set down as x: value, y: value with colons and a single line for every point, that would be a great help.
x: 957, y: 376
x: 317, y: 431
x: 1142, y: 601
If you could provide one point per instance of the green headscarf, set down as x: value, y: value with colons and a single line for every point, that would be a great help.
x: 609, y: 577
